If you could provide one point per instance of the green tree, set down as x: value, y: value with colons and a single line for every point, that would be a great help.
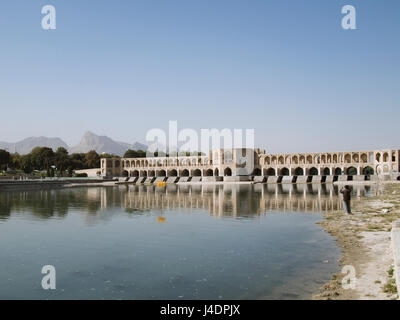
x: 26, y: 163
x: 16, y: 161
x: 77, y: 161
x: 92, y: 159
x: 62, y: 159
x: 135, y: 154
x: 42, y: 158
x: 5, y: 158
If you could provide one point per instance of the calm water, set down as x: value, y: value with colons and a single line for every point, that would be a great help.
x: 188, y: 242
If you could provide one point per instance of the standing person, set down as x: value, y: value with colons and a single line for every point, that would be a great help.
x: 346, y: 198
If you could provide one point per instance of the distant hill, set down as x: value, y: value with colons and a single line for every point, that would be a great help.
x: 90, y: 141
x: 103, y: 144
x: 25, y: 146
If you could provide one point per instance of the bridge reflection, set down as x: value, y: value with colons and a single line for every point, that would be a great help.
x: 103, y: 203
x: 231, y: 200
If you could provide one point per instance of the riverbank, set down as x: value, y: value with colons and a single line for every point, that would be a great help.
x: 26, y: 185
x: 365, y: 240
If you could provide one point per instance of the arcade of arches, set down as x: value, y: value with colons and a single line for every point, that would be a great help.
x: 230, y: 163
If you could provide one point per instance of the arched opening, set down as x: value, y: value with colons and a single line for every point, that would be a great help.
x: 125, y: 173
x: 378, y: 157
x: 368, y: 171
x: 151, y: 173
x: 385, y: 157
x: 143, y: 174
x: 326, y: 172
x: 299, y: 172
x: 309, y: 159
x: 209, y: 173
x: 161, y: 173
x: 257, y: 172
x: 280, y: 160
x: 364, y: 158
x: 196, y: 173
x: 270, y: 172
x: 216, y: 172
x: 313, y: 171
x: 284, y: 172
x: 135, y: 173
x: 398, y: 178
x: 351, y: 171
x: 355, y: 158
x: 338, y: 172
x: 227, y: 172
x: 172, y: 173
x: 185, y: 173
x: 347, y: 158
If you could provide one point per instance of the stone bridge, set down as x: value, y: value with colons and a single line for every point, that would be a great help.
x: 249, y: 164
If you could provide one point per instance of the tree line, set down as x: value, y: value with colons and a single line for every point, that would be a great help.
x: 61, y: 162
x: 45, y: 159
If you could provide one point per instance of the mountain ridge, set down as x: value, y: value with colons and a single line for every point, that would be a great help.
x: 89, y: 141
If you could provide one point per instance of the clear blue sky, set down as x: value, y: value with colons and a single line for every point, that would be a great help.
x: 285, y: 68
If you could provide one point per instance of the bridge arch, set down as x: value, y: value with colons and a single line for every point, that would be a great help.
x: 184, y: 173
x: 326, y: 172
x: 269, y: 172
x: 208, y: 173
x: 364, y: 158
x: 143, y: 173
x: 313, y: 171
x: 161, y: 173
x: 338, y: 172
x: 257, y: 172
x: 228, y: 172
x: 172, y: 173
x: 385, y: 157
x: 368, y: 171
x: 196, y: 173
x: 351, y: 171
x: 299, y: 171
x: 284, y: 172
x: 135, y: 173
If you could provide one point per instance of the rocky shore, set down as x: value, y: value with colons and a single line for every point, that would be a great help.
x: 365, y: 240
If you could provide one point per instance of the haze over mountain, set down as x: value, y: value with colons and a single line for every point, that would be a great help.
x: 90, y: 141
x: 104, y: 144
x: 26, y: 145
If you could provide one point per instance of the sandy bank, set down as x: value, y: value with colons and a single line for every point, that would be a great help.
x: 365, y: 240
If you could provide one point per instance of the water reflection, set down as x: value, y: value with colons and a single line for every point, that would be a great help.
x: 234, y: 201
x: 178, y: 242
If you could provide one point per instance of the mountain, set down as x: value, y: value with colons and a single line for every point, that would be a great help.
x: 103, y: 144
x: 25, y: 146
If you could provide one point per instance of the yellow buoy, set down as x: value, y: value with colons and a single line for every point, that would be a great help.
x: 161, y: 184
x: 162, y: 219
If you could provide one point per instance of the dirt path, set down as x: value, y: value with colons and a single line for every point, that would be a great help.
x: 364, y: 238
